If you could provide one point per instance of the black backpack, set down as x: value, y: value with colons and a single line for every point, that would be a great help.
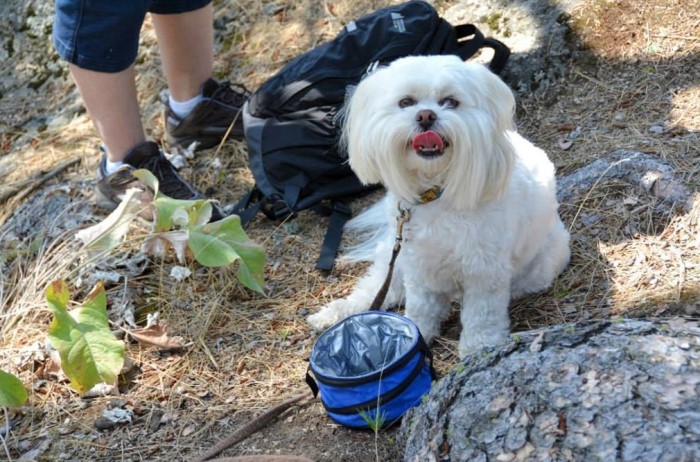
x: 291, y: 124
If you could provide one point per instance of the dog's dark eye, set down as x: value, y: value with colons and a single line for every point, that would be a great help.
x: 406, y: 102
x: 449, y: 102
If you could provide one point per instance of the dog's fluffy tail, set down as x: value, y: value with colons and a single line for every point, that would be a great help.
x: 367, y: 231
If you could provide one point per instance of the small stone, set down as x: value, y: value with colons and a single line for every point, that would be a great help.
x: 103, y: 423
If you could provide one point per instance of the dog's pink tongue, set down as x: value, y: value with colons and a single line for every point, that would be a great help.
x: 428, y: 141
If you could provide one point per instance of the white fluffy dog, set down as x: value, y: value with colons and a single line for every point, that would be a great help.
x: 438, y: 124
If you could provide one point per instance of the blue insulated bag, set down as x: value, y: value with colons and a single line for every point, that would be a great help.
x: 370, y: 369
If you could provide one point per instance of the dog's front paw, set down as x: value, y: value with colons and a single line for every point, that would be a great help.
x: 329, y: 315
x: 332, y: 313
x: 321, y: 320
x: 474, y: 341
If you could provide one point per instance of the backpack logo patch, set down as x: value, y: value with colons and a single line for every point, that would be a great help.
x: 399, y: 24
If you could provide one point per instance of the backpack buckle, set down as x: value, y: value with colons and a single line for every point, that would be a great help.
x: 277, y: 208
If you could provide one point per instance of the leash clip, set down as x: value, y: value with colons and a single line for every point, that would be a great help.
x: 401, y: 219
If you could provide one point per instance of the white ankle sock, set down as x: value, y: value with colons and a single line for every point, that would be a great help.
x: 112, y: 167
x: 183, y: 108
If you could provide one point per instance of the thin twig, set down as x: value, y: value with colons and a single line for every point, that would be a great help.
x: 15, y: 188
x: 674, y: 36
x: 7, y: 432
x: 251, y: 427
x: 592, y: 79
x: 34, y: 184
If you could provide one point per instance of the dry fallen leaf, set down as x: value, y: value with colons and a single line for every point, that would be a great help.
x: 53, y: 365
x: 157, y: 335
x: 189, y: 430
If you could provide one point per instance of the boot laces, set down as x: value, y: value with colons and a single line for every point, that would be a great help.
x: 231, y: 93
x: 170, y: 183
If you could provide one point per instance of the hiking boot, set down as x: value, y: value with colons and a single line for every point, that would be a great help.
x: 111, y: 188
x: 210, y: 119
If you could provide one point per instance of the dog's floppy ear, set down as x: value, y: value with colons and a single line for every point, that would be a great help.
x: 482, y: 169
x: 354, y: 139
x: 495, y: 94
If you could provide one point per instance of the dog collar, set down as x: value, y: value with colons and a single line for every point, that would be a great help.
x: 430, y: 195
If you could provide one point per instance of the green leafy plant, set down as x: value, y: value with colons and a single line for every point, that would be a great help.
x: 183, y: 226
x: 12, y: 392
x: 374, y: 418
x: 90, y: 354
x: 284, y: 333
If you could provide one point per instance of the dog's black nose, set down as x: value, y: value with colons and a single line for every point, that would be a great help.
x: 426, y: 118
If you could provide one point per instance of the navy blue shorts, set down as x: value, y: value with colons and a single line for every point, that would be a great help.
x: 103, y: 35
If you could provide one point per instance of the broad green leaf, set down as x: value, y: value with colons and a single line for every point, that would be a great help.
x: 147, y: 178
x: 90, y: 354
x: 212, y: 244
x: 171, y: 212
x: 201, y: 213
x: 178, y: 213
x: 12, y: 392
x: 222, y: 243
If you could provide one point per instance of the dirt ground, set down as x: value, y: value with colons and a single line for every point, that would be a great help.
x: 634, y: 85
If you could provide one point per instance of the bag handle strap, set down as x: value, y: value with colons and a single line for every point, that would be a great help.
x: 469, y: 40
x: 311, y: 382
x: 469, y: 46
x: 501, y: 53
x: 428, y: 354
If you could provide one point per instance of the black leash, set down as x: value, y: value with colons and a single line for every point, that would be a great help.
x: 404, y: 216
x: 428, y: 195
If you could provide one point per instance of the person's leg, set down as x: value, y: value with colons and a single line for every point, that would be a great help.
x: 186, y: 42
x: 198, y: 108
x: 111, y: 101
x: 99, y: 40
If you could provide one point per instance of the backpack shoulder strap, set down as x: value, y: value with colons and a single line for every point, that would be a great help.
x: 249, y: 205
x: 254, y: 201
x: 340, y: 214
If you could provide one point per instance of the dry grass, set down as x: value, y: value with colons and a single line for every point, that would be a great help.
x: 249, y: 351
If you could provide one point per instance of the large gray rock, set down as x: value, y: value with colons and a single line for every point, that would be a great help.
x: 599, y: 391
x: 643, y: 173
x: 538, y: 32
